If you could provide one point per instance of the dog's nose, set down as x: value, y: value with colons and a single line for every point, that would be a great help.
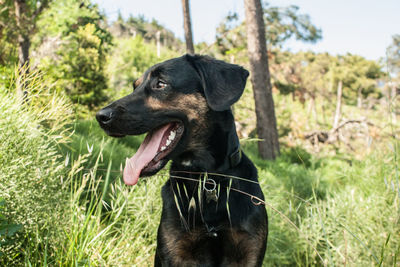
x: 105, y: 116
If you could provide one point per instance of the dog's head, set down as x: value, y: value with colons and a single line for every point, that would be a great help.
x: 172, y: 102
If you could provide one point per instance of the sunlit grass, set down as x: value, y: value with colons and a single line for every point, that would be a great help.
x: 61, y: 181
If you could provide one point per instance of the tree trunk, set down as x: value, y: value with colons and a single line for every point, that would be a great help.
x: 359, y: 98
x: 158, y: 35
x: 187, y: 27
x: 24, y: 42
x: 323, y: 110
x: 260, y: 79
x: 338, y: 105
x: 312, y: 109
x: 24, y: 45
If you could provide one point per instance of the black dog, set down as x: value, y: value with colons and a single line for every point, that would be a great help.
x: 209, y: 217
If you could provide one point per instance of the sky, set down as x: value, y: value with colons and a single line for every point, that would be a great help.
x: 362, y: 27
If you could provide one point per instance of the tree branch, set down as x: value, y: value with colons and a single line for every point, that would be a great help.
x: 350, y: 121
x: 333, y: 135
x: 43, y: 4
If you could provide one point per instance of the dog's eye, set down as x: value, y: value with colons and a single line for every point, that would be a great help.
x: 160, y: 85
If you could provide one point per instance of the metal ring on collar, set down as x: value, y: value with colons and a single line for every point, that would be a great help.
x: 214, y: 185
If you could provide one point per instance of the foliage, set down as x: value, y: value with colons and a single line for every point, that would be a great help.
x: 307, y: 200
x: 129, y: 59
x: 357, y: 73
x: 7, y: 71
x: 281, y: 24
x: 231, y: 36
x: 66, y: 16
x: 18, y: 21
x: 331, y: 209
x: 30, y: 173
x: 308, y: 74
x: 82, y: 67
x: 8, y: 55
x: 76, y: 64
x: 64, y: 202
x: 148, y: 30
x: 371, y: 198
x: 91, y: 218
x: 24, y: 24
x: 393, y: 54
x: 89, y: 139
x: 284, y: 23
x: 7, y: 229
x: 119, y: 233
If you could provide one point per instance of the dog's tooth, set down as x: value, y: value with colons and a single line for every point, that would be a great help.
x: 171, y: 137
x: 163, y: 148
x: 172, y: 134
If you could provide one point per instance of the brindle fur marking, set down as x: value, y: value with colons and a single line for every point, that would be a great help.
x: 198, y: 93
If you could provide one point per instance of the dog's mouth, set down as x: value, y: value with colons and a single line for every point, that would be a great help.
x: 152, y: 153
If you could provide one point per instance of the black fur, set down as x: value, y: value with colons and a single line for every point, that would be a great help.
x: 223, y: 83
x: 207, y: 233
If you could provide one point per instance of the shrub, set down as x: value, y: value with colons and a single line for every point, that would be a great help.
x: 82, y: 67
x: 71, y: 48
x: 129, y: 59
x: 8, y: 230
x: 30, y: 169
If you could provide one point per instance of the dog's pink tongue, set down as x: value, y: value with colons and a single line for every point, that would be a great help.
x: 146, y: 152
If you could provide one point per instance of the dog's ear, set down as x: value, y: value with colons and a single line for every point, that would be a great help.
x: 223, y: 83
x: 137, y: 82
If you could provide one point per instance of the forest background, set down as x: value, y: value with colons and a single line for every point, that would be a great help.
x: 332, y: 193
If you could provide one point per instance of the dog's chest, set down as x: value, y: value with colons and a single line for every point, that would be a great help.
x: 199, y: 246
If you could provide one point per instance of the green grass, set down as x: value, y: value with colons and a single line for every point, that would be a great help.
x: 120, y: 232
x: 31, y: 174
x: 61, y: 183
x: 349, y: 224
x: 326, y: 208
x: 88, y: 137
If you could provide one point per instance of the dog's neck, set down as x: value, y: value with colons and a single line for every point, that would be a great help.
x: 220, y: 160
x: 233, y: 154
x: 221, y: 153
